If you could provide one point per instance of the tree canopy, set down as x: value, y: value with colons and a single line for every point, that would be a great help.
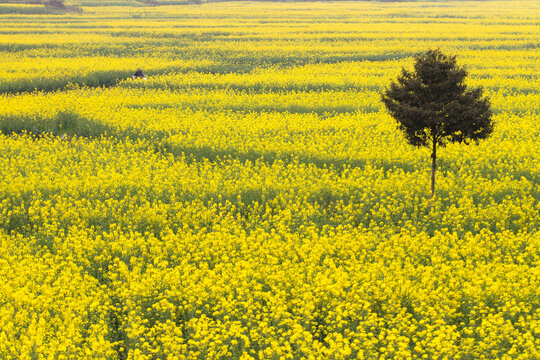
x: 433, y: 105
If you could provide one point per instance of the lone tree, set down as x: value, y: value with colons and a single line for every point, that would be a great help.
x: 433, y: 106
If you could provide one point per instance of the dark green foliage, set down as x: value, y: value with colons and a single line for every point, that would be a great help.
x: 433, y: 106
x: 433, y: 102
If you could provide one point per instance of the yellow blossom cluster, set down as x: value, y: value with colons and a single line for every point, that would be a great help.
x: 252, y: 199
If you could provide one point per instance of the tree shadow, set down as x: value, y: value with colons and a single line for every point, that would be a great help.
x: 192, y: 154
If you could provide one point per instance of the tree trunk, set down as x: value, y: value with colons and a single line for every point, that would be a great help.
x: 433, y: 168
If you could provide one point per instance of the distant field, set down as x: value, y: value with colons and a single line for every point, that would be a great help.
x: 253, y: 199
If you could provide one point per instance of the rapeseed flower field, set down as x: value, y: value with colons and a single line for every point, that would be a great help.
x: 252, y: 199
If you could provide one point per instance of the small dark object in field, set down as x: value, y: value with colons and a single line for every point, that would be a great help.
x: 59, y: 4
x: 139, y: 74
x: 67, y: 138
